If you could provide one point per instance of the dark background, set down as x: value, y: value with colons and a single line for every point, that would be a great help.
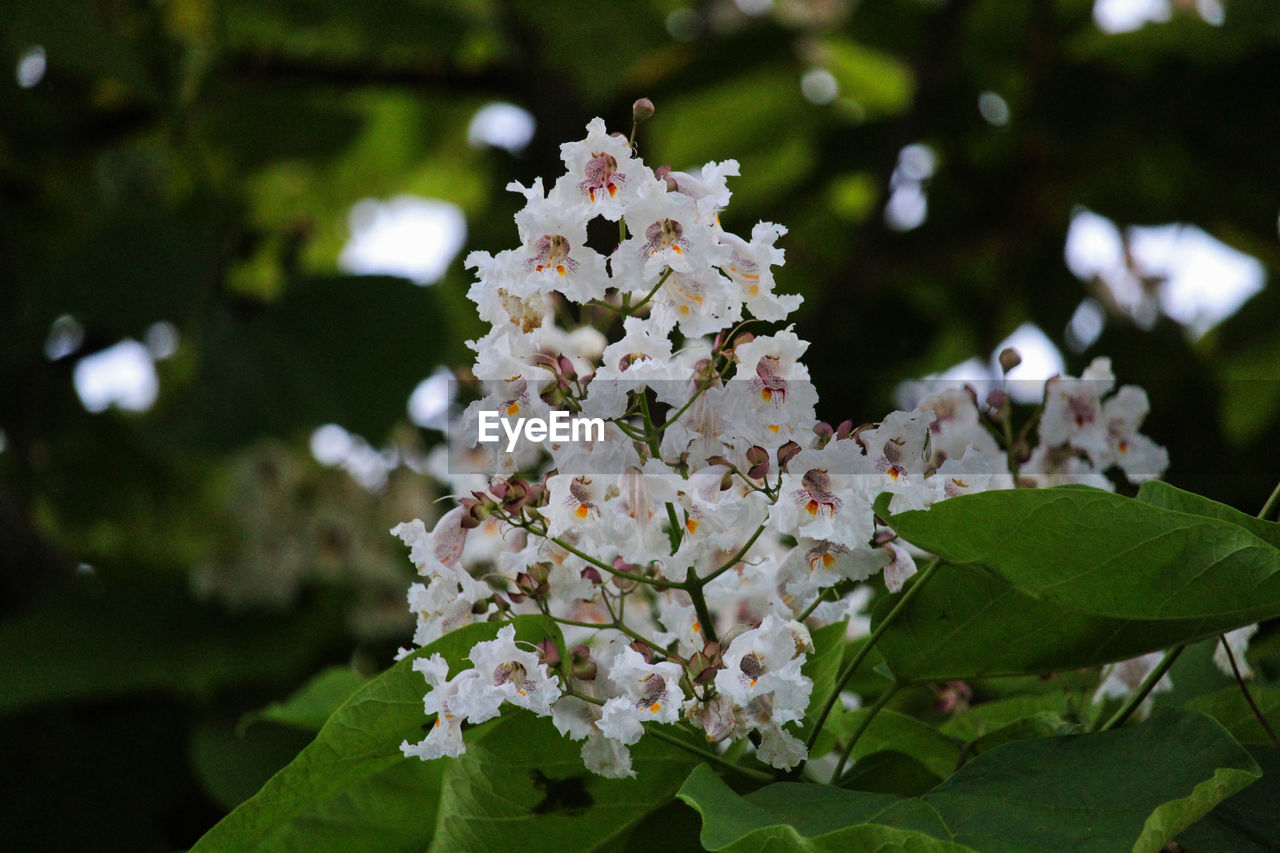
x: 194, y: 162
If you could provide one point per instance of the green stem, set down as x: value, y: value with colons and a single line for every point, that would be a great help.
x: 735, y: 559
x: 643, y: 302
x: 677, y: 532
x: 849, y: 670
x: 600, y: 564
x: 862, y: 727
x: 1271, y: 502
x: 694, y: 586
x: 1148, y: 684
x: 707, y: 755
x: 696, y: 394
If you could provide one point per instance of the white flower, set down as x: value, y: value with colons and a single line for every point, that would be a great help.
x: 649, y: 692
x: 603, y: 175
x: 445, y: 737
x: 766, y: 661
x: 505, y: 673
x: 1121, y: 680
x: 1238, y: 640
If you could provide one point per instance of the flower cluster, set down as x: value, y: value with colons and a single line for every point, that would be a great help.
x: 688, y: 554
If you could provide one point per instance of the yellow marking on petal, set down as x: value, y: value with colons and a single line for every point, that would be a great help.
x: 754, y: 290
x: 582, y: 511
x: 1124, y: 447
x: 560, y: 269
x: 697, y: 627
x: 691, y: 525
x: 678, y: 250
x: 766, y: 394
x: 812, y: 507
x: 613, y: 190
x: 774, y: 428
x: 438, y: 721
x: 655, y: 707
x: 828, y: 559
x: 513, y: 409
x: 893, y: 472
x: 753, y: 683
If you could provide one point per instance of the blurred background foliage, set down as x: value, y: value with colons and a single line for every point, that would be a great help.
x: 183, y: 189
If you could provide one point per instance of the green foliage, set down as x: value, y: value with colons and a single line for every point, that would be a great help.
x: 1126, y: 790
x: 351, y: 785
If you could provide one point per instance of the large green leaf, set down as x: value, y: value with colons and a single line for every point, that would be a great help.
x: 967, y: 623
x: 522, y: 786
x: 1228, y: 707
x: 1105, y: 554
x: 891, y: 730
x: 1248, y: 822
x: 311, y: 705
x: 1134, y: 788
x: 351, y: 788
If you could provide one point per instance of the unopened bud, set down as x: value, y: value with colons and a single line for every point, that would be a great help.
x: 758, y: 457
x: 786, y: 452
x: 1009, y: 359
x: 844, y: 430
x: 642, y: 110
x: 548, y: 653
x: 644, y: 650
x: 997, y: 398
x: 591, y: 573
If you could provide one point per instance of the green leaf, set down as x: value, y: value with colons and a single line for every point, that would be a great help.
x: 1228, y: 707
x: 822, y: 667
x: 984, y: 718
x: 1246, y: 822
x: 314, y: 702
x: 522, y: 785
x: 967, y: 623
x: 352, y: 788
x: 1104, y: 554
x: 1169, y: 497
x: 891, y: 730
x: 1134, y: 788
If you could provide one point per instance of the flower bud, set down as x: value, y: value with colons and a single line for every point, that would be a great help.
x: 548, y: 653
x: 997, y: 398
x: 758, y: 457
x: 641, y: 110
x: 1009, y: 359
x: 592, y: 574
x: 786, y: 452
x: 644, y: 650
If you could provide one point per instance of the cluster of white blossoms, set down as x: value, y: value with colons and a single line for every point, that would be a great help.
x: 687, y: 555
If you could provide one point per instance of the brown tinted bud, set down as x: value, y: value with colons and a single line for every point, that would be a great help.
x: 758, y: 458
x: 844, y: 430
x: 1009, y: 359
x: 641, y: 110
x: 644, y: 650
x: 540, y: 572
x: 719, y: 460
x: 707, y: 676
x: 997, y: 398
x: 585, y: 670
x: 592, y: 574
x: 548, y: 653
x: 786, y: 452
x: 566, y: 367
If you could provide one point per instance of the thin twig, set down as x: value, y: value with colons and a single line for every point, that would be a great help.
x: 1248, y: 697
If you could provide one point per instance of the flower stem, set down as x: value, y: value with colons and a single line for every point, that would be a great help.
x: 1248, y: 697
x: 849, y: 670
x: 1148, y: 684
x: 734, y: 560
x: 709, y: 756
x: 694, y: 587
x: 643, y: 302
x: 862, y: 727
x: 1271, y: 503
